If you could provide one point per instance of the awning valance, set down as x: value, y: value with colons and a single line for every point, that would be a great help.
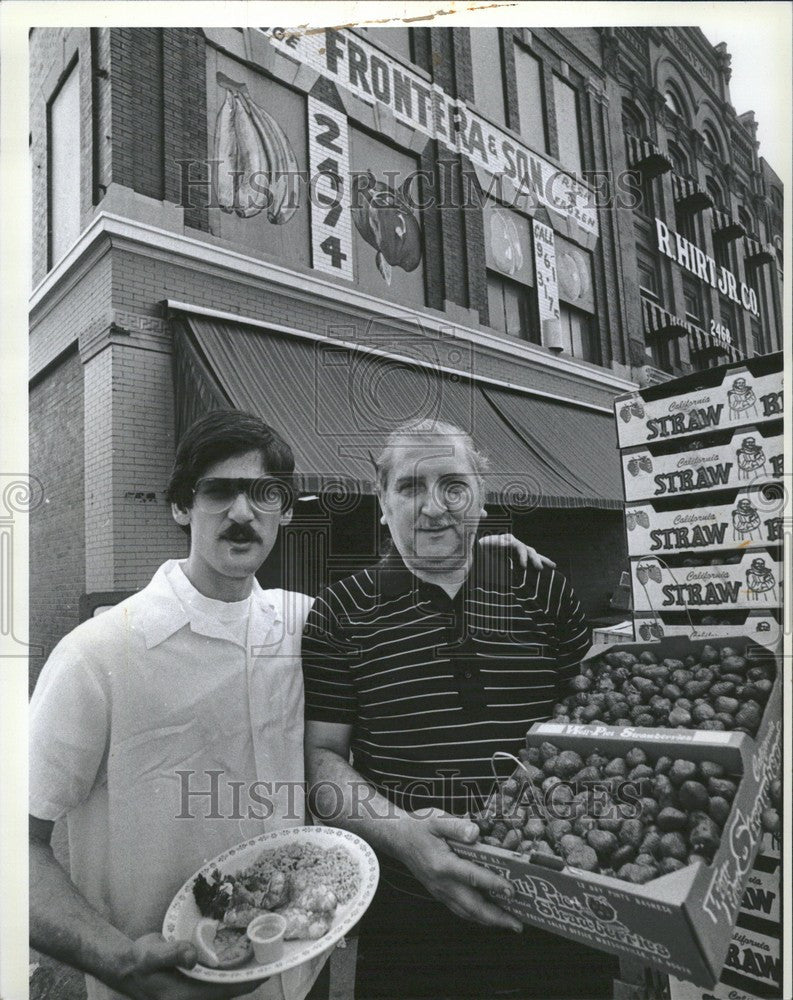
x: 705, y: 343
x: 658, y: 320
x: 726, y: 227
x: 688, y: 195
x: 646, y: 157
x: 337, y: 404
x: 756, y: 252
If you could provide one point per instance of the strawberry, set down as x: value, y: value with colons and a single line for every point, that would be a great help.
x: 637, y: 409
x: 645, y: 463
x: 643, y: 518
x: 655, y: 573
x: 633, y: 467
x: 625, y: 413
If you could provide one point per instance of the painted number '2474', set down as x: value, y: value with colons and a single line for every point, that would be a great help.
x: 330, y: 168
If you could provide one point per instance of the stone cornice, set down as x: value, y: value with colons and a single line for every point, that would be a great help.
x: 116, y: 232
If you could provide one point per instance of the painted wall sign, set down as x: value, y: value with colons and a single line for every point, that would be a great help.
x: 329, y: 164
x: 749, y: 519
x: 376, y: 78
x: 384, y: 218
x: 689, y: 256
x: 574, y: 266
x: 740, y: 399
x: 747, y: 459
x: 547, y: 285
x: 751, y: 583
x: 508, y: 243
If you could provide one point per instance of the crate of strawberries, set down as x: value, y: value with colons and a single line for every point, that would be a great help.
x: 643, y: 851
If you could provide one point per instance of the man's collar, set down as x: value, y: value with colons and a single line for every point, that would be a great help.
x: 487, y: 566
x: 167, y: 614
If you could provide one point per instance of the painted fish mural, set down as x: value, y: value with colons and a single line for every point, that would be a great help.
x: 258, y: 169
x: 386, y: 221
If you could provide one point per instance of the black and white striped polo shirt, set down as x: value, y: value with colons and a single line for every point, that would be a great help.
x: 433, y: 686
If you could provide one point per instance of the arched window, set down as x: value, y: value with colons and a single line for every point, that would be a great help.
x: 716, y: 193
x: 633, y: 121
x: 712, y: 141
x: 673, y: 101
x: 745, y: 220
x: 679, y: 160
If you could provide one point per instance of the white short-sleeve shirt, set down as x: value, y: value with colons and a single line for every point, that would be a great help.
x: 166, y: 737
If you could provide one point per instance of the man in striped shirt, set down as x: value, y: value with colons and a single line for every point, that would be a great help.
x: 423, y: 667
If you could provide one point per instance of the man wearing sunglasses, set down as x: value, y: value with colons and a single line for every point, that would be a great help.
x: 151, y: 722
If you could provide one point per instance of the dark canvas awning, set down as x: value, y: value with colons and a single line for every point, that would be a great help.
x: 688, y: 195
x: 645, y: 156
x: 658, y: 320
x: 336, y: 405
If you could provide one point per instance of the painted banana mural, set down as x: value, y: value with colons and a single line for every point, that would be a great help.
x: 258, y: 169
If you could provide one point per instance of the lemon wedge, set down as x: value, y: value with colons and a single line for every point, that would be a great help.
x: 221, y: 947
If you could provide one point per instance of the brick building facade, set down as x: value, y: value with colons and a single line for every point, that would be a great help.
x: 547, y: 165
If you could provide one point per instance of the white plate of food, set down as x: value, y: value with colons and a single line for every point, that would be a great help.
x: 320, y: 879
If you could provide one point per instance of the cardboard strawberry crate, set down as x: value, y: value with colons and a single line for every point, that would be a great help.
x: 698, y: 626
x: 728, y: 396
x: 680, y: 922
x: 740, y: 518
x: 748, y: 457
x: 752, y: 582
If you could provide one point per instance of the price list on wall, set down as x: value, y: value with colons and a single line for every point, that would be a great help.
x: 545, y: 269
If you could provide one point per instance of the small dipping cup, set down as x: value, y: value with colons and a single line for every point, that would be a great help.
x: 266, y: 934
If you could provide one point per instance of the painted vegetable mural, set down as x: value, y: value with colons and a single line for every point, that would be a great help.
x: 384, y: 219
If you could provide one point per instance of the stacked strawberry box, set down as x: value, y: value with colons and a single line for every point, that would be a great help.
x: 702, y: 464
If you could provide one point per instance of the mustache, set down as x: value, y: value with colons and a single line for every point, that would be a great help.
x: 240, y: 533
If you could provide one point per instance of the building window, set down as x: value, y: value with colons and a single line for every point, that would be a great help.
x: 746, y: 221
x: 531, y: 107
x: 711, y: 142
x: 714, y: 190
x: 488, y: 72
x: 673, y: 101
x: 692, y: 295
x: 679, y: 160
x: 633, y: 121
x: 730, y: 317
x: 63, y: 166
x: 578, y: 335
x: 644, y: 192
x: 568, y: 125
x: 758, y: 343
x: 649, y: 281
x: 397, y: 40
x: 509, y: 259
x: 509, y: 307
x: 661, y: 354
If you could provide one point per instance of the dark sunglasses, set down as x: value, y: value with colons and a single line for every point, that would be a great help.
x: 265, y: 494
